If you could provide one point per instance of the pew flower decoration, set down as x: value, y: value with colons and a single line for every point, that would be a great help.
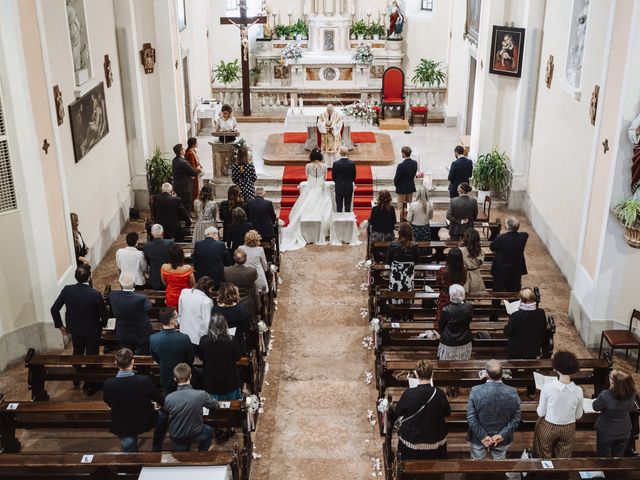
x: 253, y: 403
x: 262, y: 329
x: 364, y: 54
x: 374, y: 324
x: 274, y: 268
x: 368, y: 378
x: 376, y: 465
x: 383, y: 405
x: 366, y: 264
x: 292, y: 53
x: 360, y: 110
x: 364, y: 313
x: 364, y: 286
x: 367, y: 342
x: 371, y: 417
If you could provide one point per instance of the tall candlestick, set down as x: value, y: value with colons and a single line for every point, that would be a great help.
x: 305, y: 10
x: 289, y: 10
x: 353, y: 10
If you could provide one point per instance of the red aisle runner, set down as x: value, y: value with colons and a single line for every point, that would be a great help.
x: 363, y: 195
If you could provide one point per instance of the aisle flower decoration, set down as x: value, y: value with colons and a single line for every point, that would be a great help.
x: 253, y: 407
x: 363, y: 54
x: 292, y: 53
x: 360, y: 110
x: 383, y: 408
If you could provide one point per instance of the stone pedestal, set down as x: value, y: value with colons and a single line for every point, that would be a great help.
x: 222, y: 154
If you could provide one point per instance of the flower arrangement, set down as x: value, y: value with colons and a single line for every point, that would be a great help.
x: 374, y: 324
x: 292, y: 52
x: 363, y: 54
x: 253, y: 403
x: 361, y: 110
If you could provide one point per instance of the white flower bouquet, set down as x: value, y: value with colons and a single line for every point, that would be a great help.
x: 361, y: 110
x: 363, y: 54
x: 292, y: 53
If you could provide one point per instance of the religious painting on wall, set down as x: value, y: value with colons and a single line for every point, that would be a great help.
x: 507, y: 46
x: 89, y: 123
x: 472, y: 23
x: 182, y: 14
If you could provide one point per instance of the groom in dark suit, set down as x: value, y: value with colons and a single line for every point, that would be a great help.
x: 344, y: 176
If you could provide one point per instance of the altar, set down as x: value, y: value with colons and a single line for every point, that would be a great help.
x: 298, y: 119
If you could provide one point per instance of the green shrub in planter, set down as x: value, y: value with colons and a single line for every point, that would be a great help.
x: 428, y: 72
x: 492, y: 171
x: 158, y: 172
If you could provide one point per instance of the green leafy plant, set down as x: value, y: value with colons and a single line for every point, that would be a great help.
x: 359, y: 28
x: 227, y: 72
x: 628, y: 212
x: 299, y: 28
x: 281, y: 30
x: 428, y: 71
x: 492, y: 171
x: 254, y: 75
x: 158, y: 172
x: 376, y: 28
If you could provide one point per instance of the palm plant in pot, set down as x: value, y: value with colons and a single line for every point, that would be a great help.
x: 628, y: 212
x: 428, y: 72
x: 492, y: 174
x: 158, y: 172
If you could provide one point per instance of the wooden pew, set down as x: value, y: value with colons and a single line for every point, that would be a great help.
x: 494, y: 228
x: 425, y: 274
x: 439, y: 250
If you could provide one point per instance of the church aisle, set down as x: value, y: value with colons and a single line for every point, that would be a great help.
x: 315, y: 421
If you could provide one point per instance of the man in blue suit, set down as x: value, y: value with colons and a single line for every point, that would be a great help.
x: 261, y: 214
x: 405, y: 180
x: 156, y: 253
x: 131, y: 311
x: 344, y: 176
x: 460, y: 171
x: 210, y: 256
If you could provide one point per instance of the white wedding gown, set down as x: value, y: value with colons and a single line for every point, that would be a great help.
x: 315, y: 201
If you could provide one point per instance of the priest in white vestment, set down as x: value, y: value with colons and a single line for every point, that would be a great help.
x: 330, y: 126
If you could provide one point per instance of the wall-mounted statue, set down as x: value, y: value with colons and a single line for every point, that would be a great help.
x: 79, y: 41
x: 396, y: 21
x: 549, y: 74
x: 148, y: 57
x: 576, y: 52
x: 634, y: 137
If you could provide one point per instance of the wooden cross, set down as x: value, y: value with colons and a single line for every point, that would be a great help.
x: 243, y: 23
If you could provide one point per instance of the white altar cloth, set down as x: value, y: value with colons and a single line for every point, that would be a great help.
x: 344, y: 229
x: 298, y: 122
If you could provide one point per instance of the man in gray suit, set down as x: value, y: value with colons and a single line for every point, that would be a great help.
x: 462, y: 212
x: 244, y: 277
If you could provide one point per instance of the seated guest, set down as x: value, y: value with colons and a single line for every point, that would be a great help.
x: 131, y: 311
x: 493, y: 414
x: 613, y: 425
x: 527, y: 328
x: 225, y: 123
x: 419, y: 214
x: 382, y: 220
x: 220, y: 352
x: 184, y: 408
x: 234, y: 313
x: 261, y: 214
x: 169, y: 348
x: 244, y: 277
x: 423, y: 432
x: 402, y: 257
x: 559, y: 408
x: 156, y: 253
x: 509, y: 264
x: 473, y: 257
x: 131, y: 398
x: 256, y: 258
x: 210, y: 256
x: 462, y: 212
x: 131, y: 261
x: 455, y: 327
x: 176, y: 275
x: 454, y: 271
x: 237, y: 229
x: 195, y: 309
x: 168, y: 210
x: 234, y: 199
x: 205, y: 209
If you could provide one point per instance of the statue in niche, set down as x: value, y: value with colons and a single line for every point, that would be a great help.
x: 574, y: 61
x: 549, y: 74
x: 634, y: 137
x: 593, y: 107
x: 396, y: 21
x: 77, y: 35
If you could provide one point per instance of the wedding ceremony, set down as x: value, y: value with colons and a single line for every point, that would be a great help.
x: 319, y: 239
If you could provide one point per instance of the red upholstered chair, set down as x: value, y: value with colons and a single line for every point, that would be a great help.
x: 392, y: 90
x: 417, y: 111
x: 320, y: 135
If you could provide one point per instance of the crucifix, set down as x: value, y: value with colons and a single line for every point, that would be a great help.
x: 243, y: 22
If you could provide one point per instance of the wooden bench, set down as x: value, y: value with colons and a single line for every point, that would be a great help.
x: 439, y: 249
x: 425, y: 274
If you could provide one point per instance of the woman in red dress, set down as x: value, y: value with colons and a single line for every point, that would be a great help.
x: 191, y: 155
x: 454, y: 271
x: 176, y: 275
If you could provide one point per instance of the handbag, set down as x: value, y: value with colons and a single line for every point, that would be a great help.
x: 400, y: 420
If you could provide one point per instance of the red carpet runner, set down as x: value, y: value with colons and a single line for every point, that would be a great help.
x: 363, y: 195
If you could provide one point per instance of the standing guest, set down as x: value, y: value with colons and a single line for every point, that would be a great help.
x: 243, y: 174
x: 183, y: 176
x: 85, y: 315
x: 256, y: 258
x: 131, y: 311
x: 343, y: 173
x: 261, y: 214
x: 79, y: 246
x: 454, y: 272
x: 168, y: 211
x: 195, y: 307
x: 235, y: 314
x: 170, y: 347
x: 184, y: 407
x: 244, y: 277
x: 473, y: 257
x: 527, y: 328
x: 210, y: 256
x: 423, y: 432
x: 404, y: 180
x: 382, y: 220
x: 455, y: 327
x: 220, y: 352
x: 191, y: 155
x: 176, y: 275
x: 226, y: 122
x: 493, y: 414
x: 402, y: 257
x: 509, y: 264
x: 237, y: 230
x: 613, y: 425
x: 419, y: 215
x: 460, y: 171
x: 462, y: 212
x: 156, y: 254
x: 559, y: 408
x: 205, y: 209
x: 234, y: 199
x: 131, y: 398
x: 131, y: 261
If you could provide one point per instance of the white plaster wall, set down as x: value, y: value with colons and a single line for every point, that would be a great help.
x: 459, y: 52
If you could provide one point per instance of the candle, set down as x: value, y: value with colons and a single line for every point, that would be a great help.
x: 353, y: 9
x: 300, y: 103
x: 289, y: 10
x: 305, y: 10
x: 369, y: 11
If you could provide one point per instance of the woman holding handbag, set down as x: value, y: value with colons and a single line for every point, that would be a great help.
x: 419, y: 417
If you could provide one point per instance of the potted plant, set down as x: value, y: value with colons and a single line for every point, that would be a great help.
x: 376, y: 30
x: 158, y: 172
x: 227, y: 72
x: 628, y: 212
x: 299, y: 29
x: 281, y: 31
x: 254, y: 75
x: 428, y: 72
x: 359, y: 29
x: 491, y: 174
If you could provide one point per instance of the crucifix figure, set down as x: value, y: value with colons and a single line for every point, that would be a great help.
x: 243, y: 22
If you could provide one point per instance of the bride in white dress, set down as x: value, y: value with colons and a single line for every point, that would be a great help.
x: 315, y: 201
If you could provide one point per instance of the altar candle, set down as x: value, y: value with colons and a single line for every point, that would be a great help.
x: 305, y: 10
x: 300, y: 103
x: 289, y: 10
x: 353, y: 9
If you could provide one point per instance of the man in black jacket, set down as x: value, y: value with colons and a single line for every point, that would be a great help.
x: 509, y: 263
x: 210, y: 256
x: 462, y: 212
x: 261, y: 214
x: 343, y: 173
x: 460, y: 171
x: 131, y: 311
x: 156, y: 253
x: 405, y: 181
x: 168, y: 210
x: 183, y: 175
x: 86, y: 313
x: 131, y: 398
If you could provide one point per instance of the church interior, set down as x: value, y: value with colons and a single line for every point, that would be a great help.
x: 129, y: 124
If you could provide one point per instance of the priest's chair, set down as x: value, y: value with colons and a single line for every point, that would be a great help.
x: 393, y: 90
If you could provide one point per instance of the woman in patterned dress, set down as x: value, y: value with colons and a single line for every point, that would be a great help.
x: 205, y: 209
x: 454, y: 272
x: 243, y: 174
x: 402, y: 257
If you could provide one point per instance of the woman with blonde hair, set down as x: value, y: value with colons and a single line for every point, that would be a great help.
x: 419, y: 214
x: 205, y: 209
x: 256, y: 258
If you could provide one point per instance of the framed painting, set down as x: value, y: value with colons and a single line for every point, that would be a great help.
x: 89, y: 123
x: 507, y: 47
x: 472, y: 23
x: 182, y: 14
